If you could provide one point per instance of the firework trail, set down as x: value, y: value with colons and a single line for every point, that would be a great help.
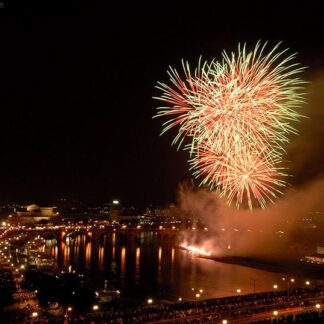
x: 236, y: 116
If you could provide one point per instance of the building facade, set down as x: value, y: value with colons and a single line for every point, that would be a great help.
x: 34, y: 214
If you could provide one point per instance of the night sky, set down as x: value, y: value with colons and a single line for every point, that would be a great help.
x: 77, y: 84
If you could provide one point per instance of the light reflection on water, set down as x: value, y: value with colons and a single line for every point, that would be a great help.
x: 88, y: 255
x: 148, y: 264
x: 101, y: 258
x: 137, y: 265
x: 122, y: 262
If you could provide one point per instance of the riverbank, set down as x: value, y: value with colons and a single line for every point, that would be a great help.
x: 278, y: 266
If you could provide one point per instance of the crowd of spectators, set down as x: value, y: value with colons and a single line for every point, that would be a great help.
x: 209, y: 311
x: 213, y: 310
x: 314, y: 317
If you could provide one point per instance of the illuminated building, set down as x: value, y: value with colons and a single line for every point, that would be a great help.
x: 34, y: 214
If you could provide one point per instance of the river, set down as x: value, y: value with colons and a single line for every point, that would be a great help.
x: 148, y: 264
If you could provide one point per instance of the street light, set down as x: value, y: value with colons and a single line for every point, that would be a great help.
x: 197, y: 296
x: 150, y: 301
x: 238, y: 290
x: 254, y: 281
x: 275, y: 286
x: 318, y: 306
x: 180, y: 299
x: 292, y: 280
x: 224, y: 321
x: 307, y: 283
x: 95, y: 307
x: 69, y: 309
x: 34, y: 314
x: 275, y: 312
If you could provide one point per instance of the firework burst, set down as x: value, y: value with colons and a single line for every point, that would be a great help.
x: 236, y: 115
x: 245, y: 174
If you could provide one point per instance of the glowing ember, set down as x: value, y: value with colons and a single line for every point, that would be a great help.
x: 195, y: 250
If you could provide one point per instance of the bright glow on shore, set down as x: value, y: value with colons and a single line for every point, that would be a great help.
x: 195, y: 250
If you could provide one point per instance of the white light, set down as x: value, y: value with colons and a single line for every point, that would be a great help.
x: 224, y: 321
x: 275, y: 313
x: 150, y: 301
x: 115, y: 202
x: 34, y: 314
x: 238, y: 290
x: 318, y: 306
x: 195, y: 250
x: 95, y: 307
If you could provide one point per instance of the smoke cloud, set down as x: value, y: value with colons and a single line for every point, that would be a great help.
x: 289, y: 228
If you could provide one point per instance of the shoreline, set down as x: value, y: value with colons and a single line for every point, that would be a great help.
x: 295, y: 267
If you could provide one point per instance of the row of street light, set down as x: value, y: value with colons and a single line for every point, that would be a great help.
x: 275, y: 285
x: 198, y: 292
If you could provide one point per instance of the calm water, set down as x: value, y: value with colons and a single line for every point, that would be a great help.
x: 148, y: 264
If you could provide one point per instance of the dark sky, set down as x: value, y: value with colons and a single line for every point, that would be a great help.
x: 77, y: 85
